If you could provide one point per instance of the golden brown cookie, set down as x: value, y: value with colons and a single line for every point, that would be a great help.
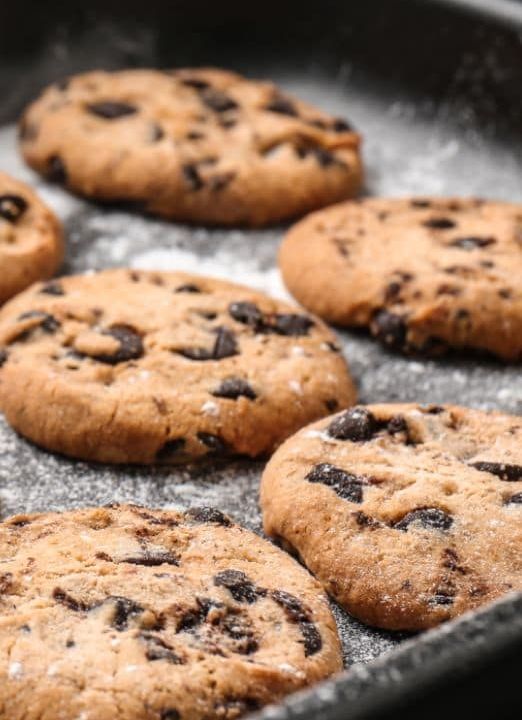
x: 424, y: 275
x: 143, y: 367
x: 138, y: 614
x: 201, y: 145
x: 30, y: 238
x: 408, y: 515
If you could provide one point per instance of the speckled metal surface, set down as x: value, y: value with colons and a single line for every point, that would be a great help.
x: 410, y: 147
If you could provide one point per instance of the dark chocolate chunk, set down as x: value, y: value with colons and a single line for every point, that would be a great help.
x: 170, y: 449
x: 56, y: 171
x: 440, y: 223
x: 52, y: 288
x: 111, y: 110
x: 325, y: 158
x: 297, y: 613
x: 514, y: 499
x: 397, y: 424
x: 331, y: 404
x: 390, y: 329
x: 290, y: 324
x: 347, y: 486
x: 365, y: 521
x: 151, y: 558
x: 505, y: 471
x: 472, y: 242
x: 225, y: 345
x: 238, y: 628
x: 215, y: 444
x: 48, y: 323
x: 282, y: 105
x: 208, y: 515
x: 420, y: 203
x: 234, y: 388
x: 157, y: 133
x: 247, y: 313
x: 68, y: 601
x: 123, y: 610
x: 441, y: 599
x: 217, y: 100
x: 3, y: 357
x: 158, y: 649
x: 357, y: 424
x: 239, y: 585
x: 188, y: 288
x: 170, y: 714
x: 131, y: 345
x: 340, y: 125
x: 194, y: 617
x: 12, y: 207
x: 195, y: 83
x: 429, y: 518
x: 192, y: 176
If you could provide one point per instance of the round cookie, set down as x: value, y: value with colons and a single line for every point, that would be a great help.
x: 408, y: 515
x: 424, y: 275
x: 30, y: 238
x: 153, y: 615
x: 141, y: 367
x: 201, y: 145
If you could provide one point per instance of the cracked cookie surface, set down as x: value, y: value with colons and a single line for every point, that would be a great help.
x: 201, y: 145
x: 408, y: 515
x: 30, y: 238
x: 425, y: 275
x: 137, y: 614
x: 128, y: 366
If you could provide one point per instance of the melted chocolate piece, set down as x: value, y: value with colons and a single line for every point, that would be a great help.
x: 282, y: 105
x: 429, y: 518
x: 192, y: 176
x: 239, y: 585
x: 514, y: 499
x: 347, y: 486
x: 12, y: 207
x: 208, y: 515
x: 233, y: 388
x: 357, y: 425
x: 3, y: 357
x: 217, y: 100
x: 56, y: 171
x: 158, y: 649
x: 131, y: 345
x: 440, y: 223
x: 297, y: 613
x: 505, y: 471
x: 472, y: 242
x: 215, y: 444
x: 111, y: 110
x: 48, y: 323
x: 123, y: 610
x: 52, y: 288
x: 68, y: 601
x: 290, y: 324
x: 151, y: 558
x: 170, y: 450
x: 246, y: 313
x: 390, y: 329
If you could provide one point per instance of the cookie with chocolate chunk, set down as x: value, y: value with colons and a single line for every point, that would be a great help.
x: 153, y: 615
x: 30, y: 238
x: 204, y: 146
x: 143, y: 367
x: 425, y: 275
x: 409, y: 515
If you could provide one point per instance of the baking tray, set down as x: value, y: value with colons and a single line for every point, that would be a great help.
x: 435, y: 88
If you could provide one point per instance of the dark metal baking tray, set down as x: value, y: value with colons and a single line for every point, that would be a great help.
x: 435, y: 87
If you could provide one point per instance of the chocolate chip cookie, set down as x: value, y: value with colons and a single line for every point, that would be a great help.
x: 408, y: 515
x: 30, y: 238
x: 153, y: 615
x: 142, y: 367
x: 204, y: 145
x: 424, y: 275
